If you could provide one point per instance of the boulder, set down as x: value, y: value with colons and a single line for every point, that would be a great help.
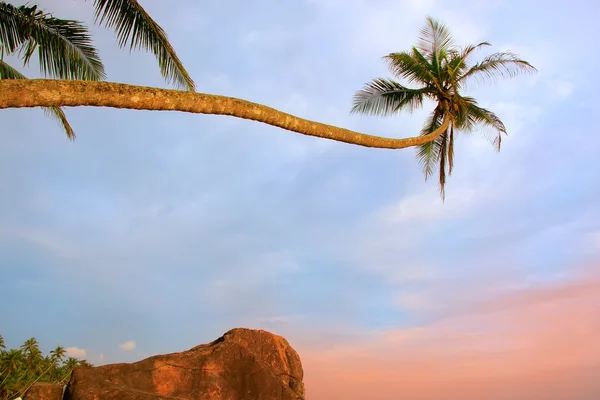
x: 44, y: 391
x: 243, y: 364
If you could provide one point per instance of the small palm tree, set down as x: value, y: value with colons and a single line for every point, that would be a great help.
x: 441, y: 70
x: 58, y: 354
x: 65, y: 49
x: 30, y: 347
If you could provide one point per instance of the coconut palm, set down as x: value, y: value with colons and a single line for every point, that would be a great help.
x: 65, y: 49
x: 56, y: 356
x: 11, y: 362
x: 31, y: 347
x: 51, y: 92
x: 33, y: 359
x: 440, y: 71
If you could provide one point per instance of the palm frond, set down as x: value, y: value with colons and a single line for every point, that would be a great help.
x: 386, y: 97
x: 64, y: 47
x: 498, y: 65
x: 459, y: 59
x: 11, y: 34
x: 134, y: 25
x: 473, y: 115
x: 443, y: 159
x: 428, y: 154
x: 435, y: 38
x: 451, y: 150
x: 497, y: 142
x: 8, y: 72
x: 410, y: 67
x: 59, y: 116
x: 431, y: 68
x: 479, y: 115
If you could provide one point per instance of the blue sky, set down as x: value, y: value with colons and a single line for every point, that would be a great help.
x: 168, y: 229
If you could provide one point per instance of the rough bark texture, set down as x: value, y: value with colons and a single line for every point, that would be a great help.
x: 44, y: 391
x: 243, y: 364
x: 47, y: 93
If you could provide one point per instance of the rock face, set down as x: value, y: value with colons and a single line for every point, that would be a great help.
x: 243, y: 364
x: 44, y: 391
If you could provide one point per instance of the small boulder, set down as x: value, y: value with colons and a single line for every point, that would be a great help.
x: 44, y: 391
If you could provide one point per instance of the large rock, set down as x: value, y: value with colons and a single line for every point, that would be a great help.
x: 44, y: 391
x: 242, y: 364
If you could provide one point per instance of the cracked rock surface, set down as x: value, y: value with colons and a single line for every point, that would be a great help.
x: 242, y: 364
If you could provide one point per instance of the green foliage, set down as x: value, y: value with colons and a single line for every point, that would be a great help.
x: 65, y: 49
x: 20, y: 368
x: 441, y: 70
x: 134, y: 25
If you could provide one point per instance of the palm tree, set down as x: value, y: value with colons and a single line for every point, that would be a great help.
x: 46, y: 93
x: 33, y: 358
x: 440, y: 70
x: 30, y: 347
x: 68, y: 367
x: 11, y: 362
x: 56, y: 356
x: 65, y: 49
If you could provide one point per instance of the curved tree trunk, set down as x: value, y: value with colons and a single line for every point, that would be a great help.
x: 50, y: 93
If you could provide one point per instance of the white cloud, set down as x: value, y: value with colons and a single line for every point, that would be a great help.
x: 593, y: 241
x: 75, y: 352
x: 101, y: 357
x: 428, y: 205
x: 564, y: 90
x: 128, y: 346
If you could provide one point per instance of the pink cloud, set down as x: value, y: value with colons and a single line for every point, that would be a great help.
x: 538, y: 343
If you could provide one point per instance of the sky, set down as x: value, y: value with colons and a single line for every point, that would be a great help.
x: 154, y: 232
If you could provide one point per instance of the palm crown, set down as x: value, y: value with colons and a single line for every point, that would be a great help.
x: 65, y: 48
x: 441, y: 70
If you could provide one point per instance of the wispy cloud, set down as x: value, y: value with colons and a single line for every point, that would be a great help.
x: 518, y: 342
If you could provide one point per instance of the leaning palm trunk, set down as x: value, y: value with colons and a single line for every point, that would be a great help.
x: 5, y: 377
x: 27, y: 385
x: 58, y: 93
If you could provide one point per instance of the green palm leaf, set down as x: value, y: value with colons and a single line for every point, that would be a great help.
x: 8, y: 72
x: 451, y: 150
x: 428, y: 154
x: 498, y: 65
x: 386, y: 97
x: 64, y: 46
x: 11, y: 36
x: 479, y: 115
x: 412, y: 67
x: 459, y: 59
x: 435, y: 39
x: 134, y: 25
x: 443, y: 160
